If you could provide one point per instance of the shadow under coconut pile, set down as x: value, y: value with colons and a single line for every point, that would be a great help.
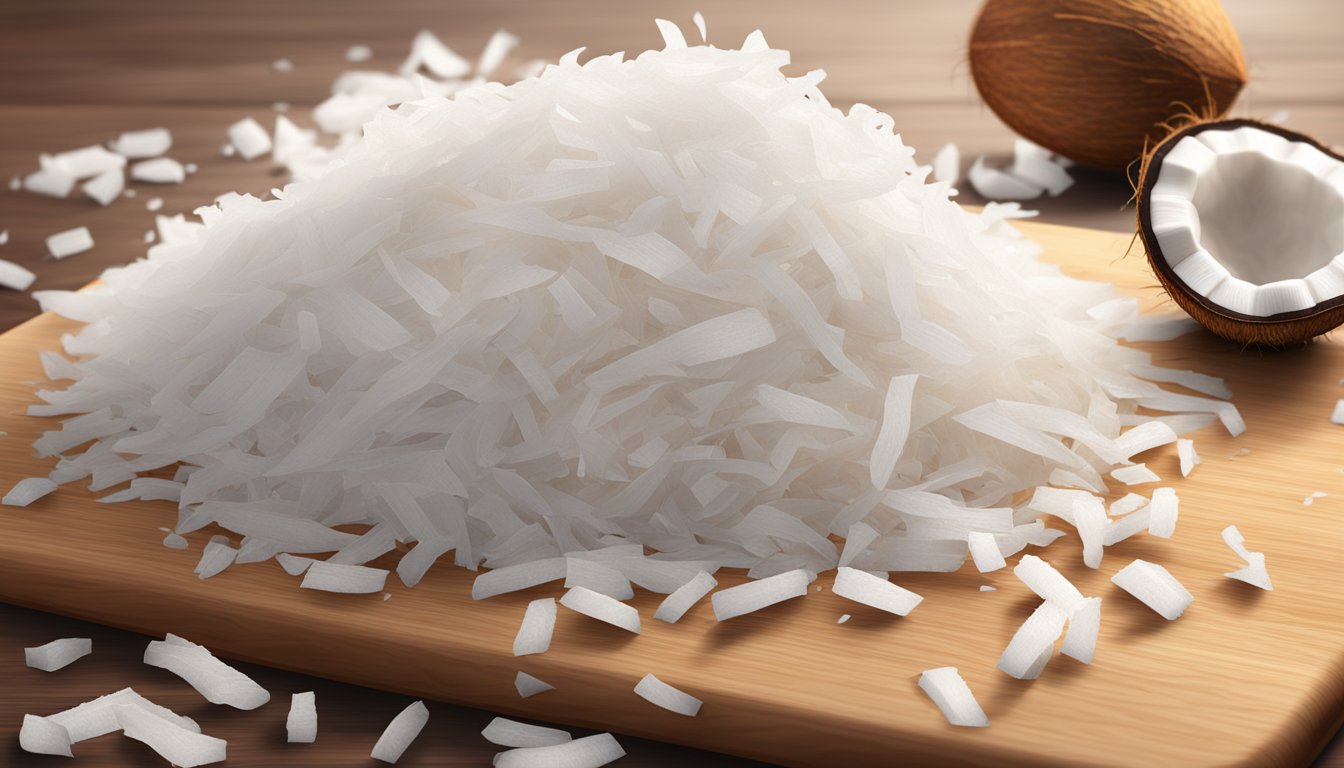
x: 623, y: 324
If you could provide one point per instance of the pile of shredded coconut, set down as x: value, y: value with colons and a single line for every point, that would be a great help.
x: 660, y: 315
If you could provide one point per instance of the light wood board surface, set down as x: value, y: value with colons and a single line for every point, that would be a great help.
x: 1244, y: 678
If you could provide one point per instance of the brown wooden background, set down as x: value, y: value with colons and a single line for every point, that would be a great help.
x: 79, y: 72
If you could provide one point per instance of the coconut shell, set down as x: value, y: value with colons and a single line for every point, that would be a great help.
x: 1283, y: 330
x: 1093, y: 80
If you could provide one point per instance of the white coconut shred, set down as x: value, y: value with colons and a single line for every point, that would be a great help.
x: 678, y: 302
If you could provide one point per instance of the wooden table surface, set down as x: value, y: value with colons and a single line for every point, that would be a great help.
x: 74, y: 73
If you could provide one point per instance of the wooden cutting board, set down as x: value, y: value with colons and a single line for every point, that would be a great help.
x: 1245, y: 678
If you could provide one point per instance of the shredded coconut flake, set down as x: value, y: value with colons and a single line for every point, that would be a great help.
x: 69, y: 242
x: 400, y: 733
x: 216, y: 681
x: 946, y: 688
x: 657, y: 692
x: 511, y: 733
x: 57, y: 654
x: 301, y: 722
x: 527, y: 685
x: 588, y: 752
x: 534, y: 634
x: 1155, y: 587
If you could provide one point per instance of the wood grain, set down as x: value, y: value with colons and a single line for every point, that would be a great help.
x: 1245, y: 678
x: 74, y: 72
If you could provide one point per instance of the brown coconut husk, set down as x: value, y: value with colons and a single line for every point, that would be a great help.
x: 1286, y: 329
x: 1093, y: 80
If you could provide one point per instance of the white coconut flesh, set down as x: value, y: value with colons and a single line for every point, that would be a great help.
x: 1251, y: 221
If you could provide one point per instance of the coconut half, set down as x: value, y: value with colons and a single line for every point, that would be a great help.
x: 1244, y: 225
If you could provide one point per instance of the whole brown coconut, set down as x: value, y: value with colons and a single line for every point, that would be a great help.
x: 1092, y: 80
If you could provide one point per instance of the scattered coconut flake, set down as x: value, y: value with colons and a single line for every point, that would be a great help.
x: 511, y: 733
x: 283, y: 65
x: 1338, y: 416
x: 1080, y: 641
x: 292, y: 142
x: 149, y: 236
x: 137, y: 145
x: 588, y: 752
x: 358, y: 53
x: 400, y: 733
x: 863, y: 587
x: 534, y: 634
x: 217, y: 555
x: 1048, y: 583
x: 1036, y: 165
x: 673, y: 39
x: 675, y: 605
x: 106, y: 186
x: 672, y: 699
x: 946, y: 688
x: 985, y: 551
x: 762, y: 593
x: 249, y: 138
x: 16, y: 278
x: 1135, y: 474
x: 1185, y: 449
x: 301, y: 723
x: 83, y: 163
x: 218, y: 682
x: 57, y: 654
x: 228, y: 150
x: 347, y: 579
x: 1163, y: 511
x: 1122, y: 528
x: 41, y: 736
x: 601, y: 607
x: 843, y: 618
x: 987, y: 588
x: 28, y: 490
x: 160, y: 170
x: 154, y: 204
x: 607, y: 580
x: 293, y: 564
x: 994, y: 184
x: 174, y: 541
x: 180, y: 746
x: 69, y: 242
x: 429, y: 52
x: 528, y: 685
x: 1034, y: 640
x: 1089, y: 519
x: 947, y: 164
x: 54, y: 734
x: 496, y: 49
x: 698, y: 19
x: 1255, y: 572
x: 49, y: 182
x: 1312, y: 497
x: 513, y: 578
x: 4, y: 236
x: 1155, y: 587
